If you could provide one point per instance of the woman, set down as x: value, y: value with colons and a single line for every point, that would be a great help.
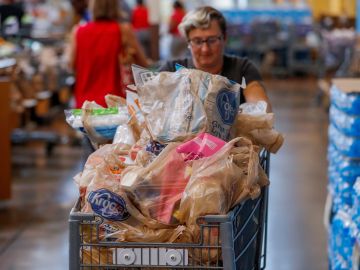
x: 178, y: 43
x: 98, y: 51
x: 80, y: 9
x: 205, y: 31
x: 141, y: 25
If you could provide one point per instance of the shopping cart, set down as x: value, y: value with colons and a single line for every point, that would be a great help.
x: 233, y: 241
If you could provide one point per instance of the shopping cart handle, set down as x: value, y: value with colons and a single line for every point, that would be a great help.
x: 75, y: 213
x: 213, y: 218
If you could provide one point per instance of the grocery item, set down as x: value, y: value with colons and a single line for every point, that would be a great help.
x: 158, y: 187
x: 172, y: 111
x: 114, y: 156
x: 346, y: 145
x: 346, y: 102
x: 223, y: 180
x: 203, y: 145
x: 255, y: 123
x: 180, y: 105
x: 347, y: 123
x: 100, y: 122
x: 341, y: 243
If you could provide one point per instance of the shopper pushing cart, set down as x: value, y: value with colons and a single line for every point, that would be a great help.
x: 188, y: 190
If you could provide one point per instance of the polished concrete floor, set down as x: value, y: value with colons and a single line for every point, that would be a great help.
x: 33, y: 224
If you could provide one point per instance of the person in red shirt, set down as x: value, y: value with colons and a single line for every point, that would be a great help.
x: 97, y: 51
x: 140, y: 23
x: 178, y: 45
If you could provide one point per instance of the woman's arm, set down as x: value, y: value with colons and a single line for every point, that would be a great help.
x: 254, y: 92
x: 131, y: 44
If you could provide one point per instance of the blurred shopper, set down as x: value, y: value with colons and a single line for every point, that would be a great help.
x: 125, y: 11
x: 98, y: 50
x: 81, y: 12
x: 11, y: 14
x: 140, y: 23
x: 205, y: 30
x: 178, y: 44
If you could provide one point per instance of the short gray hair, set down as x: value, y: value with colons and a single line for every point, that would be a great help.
x: 201, y: 18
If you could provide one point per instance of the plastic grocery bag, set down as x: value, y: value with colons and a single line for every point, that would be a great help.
x: 223, y: 180
x: 114, y: 156
x: 158, y: 187
x: 124, y: 135
x: 172, y: 110
x: 230, y: 176
x: 221, y: 98
x: 142, y: 75
x: 98, y: 123
x: 179, y: 105
x: 255, y: 123
x: 132, y: 101
x: 130, y: 132
x: 121, y: 218
x: 113, y: 101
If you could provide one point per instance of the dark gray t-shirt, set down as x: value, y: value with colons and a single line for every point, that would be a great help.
x: 234, y: 69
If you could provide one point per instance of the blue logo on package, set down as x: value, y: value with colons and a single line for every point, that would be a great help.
x: 227, y: 104
x: 108, y: 205
x: 178, y: 66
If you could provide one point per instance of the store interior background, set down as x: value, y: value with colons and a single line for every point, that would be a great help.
x: 299, y: 46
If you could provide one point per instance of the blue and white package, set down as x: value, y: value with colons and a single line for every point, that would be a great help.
x: 108, y: 204
x: 346, y: 123
x: 349, y: 168
x: 346, y: 102
x: 355, y: 211
x: 221, y: 98
x: 342, y: 173
x: 341, y: 242
x: 346, y: 145
x: 103, y: 120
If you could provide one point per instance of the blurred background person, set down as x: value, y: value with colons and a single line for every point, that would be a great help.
x: 140, y: 23
x: 98, y: 51
x: 178, y: 44
x: 125, y: 11
x: 11, y: 14
x: 81, y: 12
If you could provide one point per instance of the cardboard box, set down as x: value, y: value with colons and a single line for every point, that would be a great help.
x: 347, y: 85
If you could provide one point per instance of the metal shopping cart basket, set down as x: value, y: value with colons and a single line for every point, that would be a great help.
x: 233, y: 241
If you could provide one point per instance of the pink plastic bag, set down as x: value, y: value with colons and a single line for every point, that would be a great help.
x: 203, y: 145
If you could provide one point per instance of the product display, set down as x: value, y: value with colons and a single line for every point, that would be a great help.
x: 341, y: 242
x: 346, y: 102
x: 343, y: 174
x: 347, y: 123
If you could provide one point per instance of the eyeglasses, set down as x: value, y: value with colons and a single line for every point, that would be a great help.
x: 210, y: 41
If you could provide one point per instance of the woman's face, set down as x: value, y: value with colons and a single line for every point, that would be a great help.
x: 207, y: 47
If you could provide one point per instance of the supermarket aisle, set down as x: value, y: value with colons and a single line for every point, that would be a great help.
x: 297, y: 238
x: 33, y: 226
